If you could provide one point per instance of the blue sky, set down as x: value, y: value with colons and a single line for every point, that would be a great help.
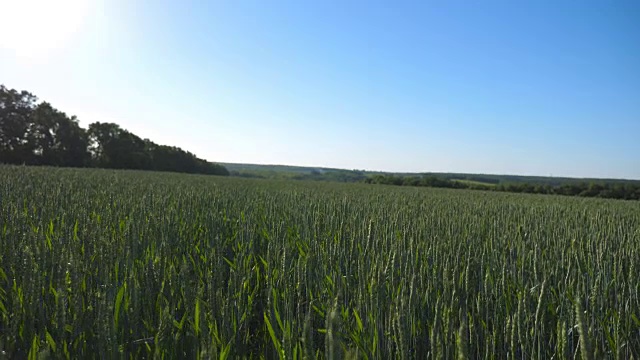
x: 507, y: 87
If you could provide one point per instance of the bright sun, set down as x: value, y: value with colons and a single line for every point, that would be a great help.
x: 32, y: 29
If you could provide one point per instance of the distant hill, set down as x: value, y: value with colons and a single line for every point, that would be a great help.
x: 275, y: 168
x: 296, y: 172
x: 328, y: 174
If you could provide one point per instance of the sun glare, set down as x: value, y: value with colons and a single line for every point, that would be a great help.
x: 33, y: 29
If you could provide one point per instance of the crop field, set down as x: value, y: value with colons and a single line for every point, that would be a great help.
x: 126, y: 264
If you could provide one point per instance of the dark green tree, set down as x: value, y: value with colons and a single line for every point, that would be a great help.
x: 16, y: 144
x: 58, y: 139
x: 116, y: 148
x: 35, y: 133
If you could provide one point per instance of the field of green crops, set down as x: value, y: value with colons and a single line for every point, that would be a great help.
x: 125, y: 264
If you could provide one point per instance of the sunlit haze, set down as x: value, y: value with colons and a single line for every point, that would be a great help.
x: 32, y: 29
x: 503, y: 87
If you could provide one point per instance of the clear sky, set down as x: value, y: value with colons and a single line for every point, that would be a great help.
x: 508, y: 87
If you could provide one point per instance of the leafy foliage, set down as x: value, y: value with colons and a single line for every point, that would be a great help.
x: 35, y: 133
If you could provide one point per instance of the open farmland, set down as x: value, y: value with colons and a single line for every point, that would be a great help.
x: 100, y: 263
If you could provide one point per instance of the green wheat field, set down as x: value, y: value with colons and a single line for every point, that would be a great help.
x: 128, y: 264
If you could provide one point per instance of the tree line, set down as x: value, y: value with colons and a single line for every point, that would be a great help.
x: 35, y: 133
x: 626, y: 190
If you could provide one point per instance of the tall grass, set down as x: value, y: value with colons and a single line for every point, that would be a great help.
x: 98, y: 263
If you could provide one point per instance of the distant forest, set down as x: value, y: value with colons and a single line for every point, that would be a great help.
x: 605, y: 189
x: 35, y: 133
